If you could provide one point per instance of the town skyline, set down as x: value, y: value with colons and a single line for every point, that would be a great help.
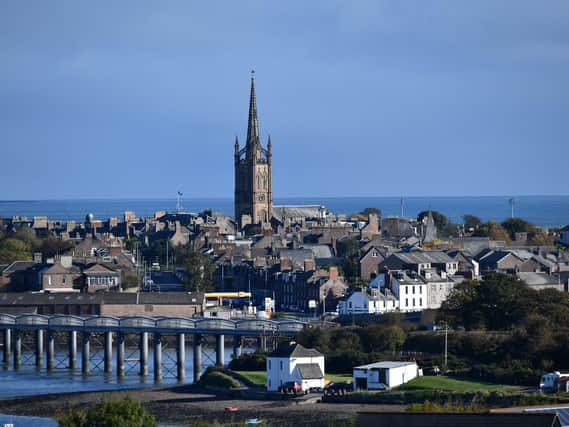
x: 365, y: 103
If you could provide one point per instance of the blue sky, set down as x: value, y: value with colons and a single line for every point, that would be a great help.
x: 382, y: 98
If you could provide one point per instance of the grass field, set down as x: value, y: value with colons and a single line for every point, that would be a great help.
x: 451, y: 384
x: 260, y: 377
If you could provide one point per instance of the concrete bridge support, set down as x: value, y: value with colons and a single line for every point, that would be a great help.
x: 86, y: 346
x: 39, y: 348
x: 72, y: 349
x: 237, y: 346
x: 143, y: 347
x: 108, y: 348
x: 17, y: 349
x: 50, y: 350
x: 7, y: 347
x: 262, y: 343
x: 220, y: 350
x: 157, y: 357
x: 181, y: 356
x: 120, y: 354
x: 198, y: 339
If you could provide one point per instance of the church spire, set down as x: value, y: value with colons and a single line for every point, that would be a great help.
x: 253, y: 125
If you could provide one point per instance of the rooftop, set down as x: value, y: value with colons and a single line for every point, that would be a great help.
x: 385, y: 365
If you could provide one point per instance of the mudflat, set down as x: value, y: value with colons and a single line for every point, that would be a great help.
x: 183, y: 405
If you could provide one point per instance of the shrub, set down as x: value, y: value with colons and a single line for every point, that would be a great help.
x: 117, y: 413
x: 219, y: 379
x: 249, y: 362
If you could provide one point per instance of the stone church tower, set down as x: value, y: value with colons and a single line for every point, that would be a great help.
x: 253, y: 173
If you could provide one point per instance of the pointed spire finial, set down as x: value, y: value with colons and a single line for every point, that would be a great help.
x: 253, y: 125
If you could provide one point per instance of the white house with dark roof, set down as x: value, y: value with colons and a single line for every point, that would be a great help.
x: 293, y: 362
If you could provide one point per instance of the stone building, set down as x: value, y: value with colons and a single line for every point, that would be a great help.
x: 253, y: 173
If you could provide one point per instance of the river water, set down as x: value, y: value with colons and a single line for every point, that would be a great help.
x: 29, y: 380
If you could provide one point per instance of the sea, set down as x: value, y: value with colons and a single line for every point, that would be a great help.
x: 544, y: 211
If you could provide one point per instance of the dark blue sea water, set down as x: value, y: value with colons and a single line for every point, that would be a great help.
x: 541, y: 210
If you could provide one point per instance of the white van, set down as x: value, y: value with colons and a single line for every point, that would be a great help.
x: 548, y: 382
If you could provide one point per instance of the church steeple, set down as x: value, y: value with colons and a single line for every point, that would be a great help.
x: 253, y: 125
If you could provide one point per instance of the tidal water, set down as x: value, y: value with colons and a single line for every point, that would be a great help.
x: 547, y: 211
x: 29, y: 380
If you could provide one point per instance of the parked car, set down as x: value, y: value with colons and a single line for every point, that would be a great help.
x: 339, y: 388
x: 292, y: 387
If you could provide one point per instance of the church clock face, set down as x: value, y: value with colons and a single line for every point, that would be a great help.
x: 261, y: 197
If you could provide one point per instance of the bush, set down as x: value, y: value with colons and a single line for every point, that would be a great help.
x: 116, y: 413
x: 216, y: 378
x: 249, y: 362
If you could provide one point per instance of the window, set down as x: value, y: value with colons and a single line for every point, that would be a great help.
x: 49, y: 280
x: 406, y: 289
x: 420, y: 301
x: 420, y: 289
x: 406, y: 302
x: 413, y: 288
x: 413, y: 302
x: 63, y: 279
x: 269, y: 363
x: 281, y: 365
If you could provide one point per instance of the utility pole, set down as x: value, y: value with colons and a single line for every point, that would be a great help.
x: 401, y: 202
x: 167, y: 254
x: 446, y: 345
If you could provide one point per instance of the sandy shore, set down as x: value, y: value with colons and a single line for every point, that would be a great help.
x: 182, y: 405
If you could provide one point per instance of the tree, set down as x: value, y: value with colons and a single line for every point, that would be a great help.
x: 198, y: 267
x: 117, y: 413
x: 492, y: 230
x: 12, y: 249
x: 368, y: 211
x: 441, y: 221
x: 53, y: 246
x: 471, y: 221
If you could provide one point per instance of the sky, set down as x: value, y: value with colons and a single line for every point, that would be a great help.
x: 137, y: 99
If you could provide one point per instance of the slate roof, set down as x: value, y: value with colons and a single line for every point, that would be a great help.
x: 421, y: 257
x: 162, y: 298
x: 310, y: 371
x: 18, y: 266
x: 306, y: 211
x: 294, y: 350
x: 97, y: 269
x: 319, y: 251
x: 533, y: 279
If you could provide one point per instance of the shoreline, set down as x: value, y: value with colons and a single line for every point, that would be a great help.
x: 182, y: 405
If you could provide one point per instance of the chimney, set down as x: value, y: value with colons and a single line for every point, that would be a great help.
x: 286, y: 263
x: 309, y: 264
x: 38, y: 257
x: 333, y: 273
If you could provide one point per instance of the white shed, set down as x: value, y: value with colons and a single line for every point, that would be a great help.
x: 293, y: 362
x: 377, y: 376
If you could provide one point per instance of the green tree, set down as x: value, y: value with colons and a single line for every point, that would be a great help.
x: 116, y: 413
x: 492, y: 230
x: 12, y: 249
x: 471, y: 221
x: 368, y: 211
x: 441, y: 221
x: 198, y: 267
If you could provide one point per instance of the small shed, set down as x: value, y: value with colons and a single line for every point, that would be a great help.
x: 381, y: 375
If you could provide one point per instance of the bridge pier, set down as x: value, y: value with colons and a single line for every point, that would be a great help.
x: 181, y: 356
x: 7, y: 347
x: 262, y: 343
x: 197, y: 357
x: 108, y: 352
x: 85, y: 353
x: 50, y: 350
x: 220, y: 349
x: 157, y: 357
x: 237, y: 346
x: 72, y: 349
x: 17, y: 349
x: 143, y: 347
x: 39, y: 348
x: 120, y: 354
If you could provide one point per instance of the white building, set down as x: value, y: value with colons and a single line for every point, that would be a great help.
x: 377, y: 301
x: 410, y: 290
x: 379, y: 375
x: 293, y: 362
x: 439, y: 286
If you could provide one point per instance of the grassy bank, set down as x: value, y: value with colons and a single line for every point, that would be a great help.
x: 451, y: 384
x: 260, y: 377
